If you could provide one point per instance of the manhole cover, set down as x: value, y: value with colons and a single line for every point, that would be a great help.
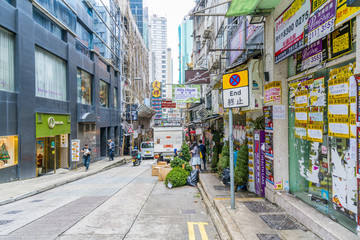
x: 268, y: 236
x: 38, y: 200
x: 188, y: 211
x: 262, y: 207
x: 281, y: 222
x: 13, y: 212
x: 3, y: 222
x: 220, y: 187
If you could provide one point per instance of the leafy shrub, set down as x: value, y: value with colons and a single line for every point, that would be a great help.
x: 177, y: 177
x: 241, y: 173
x: 224, y: 161
x: 215, y: 158
x: 178, y: 162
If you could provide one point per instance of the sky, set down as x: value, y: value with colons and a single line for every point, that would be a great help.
x: 174, y: 11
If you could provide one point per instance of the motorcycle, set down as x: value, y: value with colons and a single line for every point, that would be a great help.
x: 136, y: 157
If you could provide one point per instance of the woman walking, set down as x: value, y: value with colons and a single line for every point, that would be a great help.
x: 196, y: 162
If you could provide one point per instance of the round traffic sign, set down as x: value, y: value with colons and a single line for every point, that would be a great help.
x: 234, y: 80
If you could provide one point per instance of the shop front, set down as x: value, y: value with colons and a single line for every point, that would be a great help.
x: 8, y: 151
x: 52, y: 142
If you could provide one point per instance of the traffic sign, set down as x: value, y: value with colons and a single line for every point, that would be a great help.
x: 236, y: 89
x: 235, y: 80
x: 130, y: 130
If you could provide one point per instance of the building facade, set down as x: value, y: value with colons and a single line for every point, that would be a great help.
x: 137, y: 10
x: 185, y: 47
x: 60, y: 86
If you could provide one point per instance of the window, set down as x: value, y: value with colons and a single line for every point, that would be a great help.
x: 50, y: 75
x: 163, y: 61
x: 163, y: 76
x: 84, y: 87
x: 45, y: 22
x: 104, y: 94
x: 84, y: 35
x: 8, y: 151
x: 6, y: 60
x: 147, y: 145
x: 115, y: 98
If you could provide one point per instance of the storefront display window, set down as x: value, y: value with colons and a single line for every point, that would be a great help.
x: 84, y: 87
x: 8, y: 151
x: 6, y: 60
x: 50, y: 75
x: 322, y: 153
x: 104, y: 94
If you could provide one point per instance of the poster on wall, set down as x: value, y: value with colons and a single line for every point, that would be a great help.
x: 315, y: 132
x: 339, y: 127
x: 289, y: 29
x: 301, y: 98
x: 295, y: 86
x: 273, y: 92
x: 300, y: 130
x: 341, y: 41
x: 269, y: 154
x: 75, y: 150
x: 301, y: 115
x: 338, y: 88
x: 317, y: 95
x: 268, y: 114
x: 321, y: 21
x: 344, y: 13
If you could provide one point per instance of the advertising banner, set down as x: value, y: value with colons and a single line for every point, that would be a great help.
x: 75, y: 150
x: 273, y: 92
x: 321, y: 22
x: 186, y: 93
x: 341, y: 41
x: 289, y: 29
x: 344, y: 13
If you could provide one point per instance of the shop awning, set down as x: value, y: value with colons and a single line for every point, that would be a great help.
x: 251, y: 7
x: 88, y: 117
x: 145, y: 112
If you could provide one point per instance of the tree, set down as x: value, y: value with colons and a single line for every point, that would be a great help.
x: 215, y: 157
x: 224, y: 161
x: 241, y: 173
x: 185, y: 152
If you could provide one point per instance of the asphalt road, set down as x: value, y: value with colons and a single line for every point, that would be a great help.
x: 121, y: 203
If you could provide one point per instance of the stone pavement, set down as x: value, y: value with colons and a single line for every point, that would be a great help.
x: 16, y: 190
x: 253, y: 217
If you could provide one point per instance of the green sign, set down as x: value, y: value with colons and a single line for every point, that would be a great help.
x: 52, y: 124
x: 186, y: 93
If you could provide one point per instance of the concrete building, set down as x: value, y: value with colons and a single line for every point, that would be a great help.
x: 60, y: 87
x: 169, y: 80
x: 137, y: 10
x: 185, y: 46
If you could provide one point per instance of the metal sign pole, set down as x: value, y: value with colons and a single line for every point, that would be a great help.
x: 231, y: 147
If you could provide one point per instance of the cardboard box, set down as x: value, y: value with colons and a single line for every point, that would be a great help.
x: 162, y: 163
x: 155, y: 169
x: 164, y: 172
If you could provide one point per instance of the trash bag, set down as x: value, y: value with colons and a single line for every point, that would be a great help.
x: 193, y: 178
x: 226, y: 176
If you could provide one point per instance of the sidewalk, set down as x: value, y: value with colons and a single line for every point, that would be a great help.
x: 16, y: 190
x: 257, y: 218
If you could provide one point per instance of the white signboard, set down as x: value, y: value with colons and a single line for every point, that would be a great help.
x: 236, y: 97
x: 279, y: 112
x: 289, y: 29
x: 75, y: 150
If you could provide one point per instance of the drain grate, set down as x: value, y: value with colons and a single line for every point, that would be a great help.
x: 13, y: 212
x: 37, y: 200
x: 220, y: 187
x: 188, y: 211
x: 281, y: 222
x: 3, y: 222
x: 268, y: 236
x: 262, y: 207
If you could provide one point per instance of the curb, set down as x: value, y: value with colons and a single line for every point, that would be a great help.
x: 223, y: 234
x: 63, y: 182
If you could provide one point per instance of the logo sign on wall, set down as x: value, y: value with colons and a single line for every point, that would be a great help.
x: 236, y: 89
x: 289, y: 29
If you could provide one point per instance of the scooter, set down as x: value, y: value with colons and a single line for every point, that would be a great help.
x: 136, y: 157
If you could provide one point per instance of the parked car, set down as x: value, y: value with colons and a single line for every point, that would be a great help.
x: 147, y: 150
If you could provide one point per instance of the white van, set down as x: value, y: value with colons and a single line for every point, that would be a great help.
x: 166, y: 140
x: 147, y: 150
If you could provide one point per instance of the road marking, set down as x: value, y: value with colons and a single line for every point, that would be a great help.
x: 201, y: 229
x: 240, y: 199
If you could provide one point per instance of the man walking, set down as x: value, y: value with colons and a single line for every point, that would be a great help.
x: 86, y: 156
x: 111, y: 150
x: 202, y: 153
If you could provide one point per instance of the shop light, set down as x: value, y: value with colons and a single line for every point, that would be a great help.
x: 256, y: 19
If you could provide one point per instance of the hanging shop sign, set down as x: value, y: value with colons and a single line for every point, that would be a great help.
x: 156, y: 85
x: 289, y: 29
x: 273, y: 92
x: 341, y: 41
x: 75, y: 150
x: 168, y: 104
x: 236, y: 89
x: 321, y: 22
x: 312, y: 55
x: 197, y: 77
x: 186, y: 93
x: 344, y: 13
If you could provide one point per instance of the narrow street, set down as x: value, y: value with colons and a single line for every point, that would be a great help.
x: 122, y: 203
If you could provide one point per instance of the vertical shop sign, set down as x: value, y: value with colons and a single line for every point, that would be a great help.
x: 273, y: 92
x: 75, y: 150
x: 259, y: 155
x: 341, y: 41
x: 269, y: 149
x: 289, y: 29
x: 321, y: 22
x: 344, y: 13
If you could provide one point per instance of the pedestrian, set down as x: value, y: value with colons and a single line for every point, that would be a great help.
x: 86, y: 156
x: 202, y: 149
x: 111, y: 145
x: 196, y: 162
